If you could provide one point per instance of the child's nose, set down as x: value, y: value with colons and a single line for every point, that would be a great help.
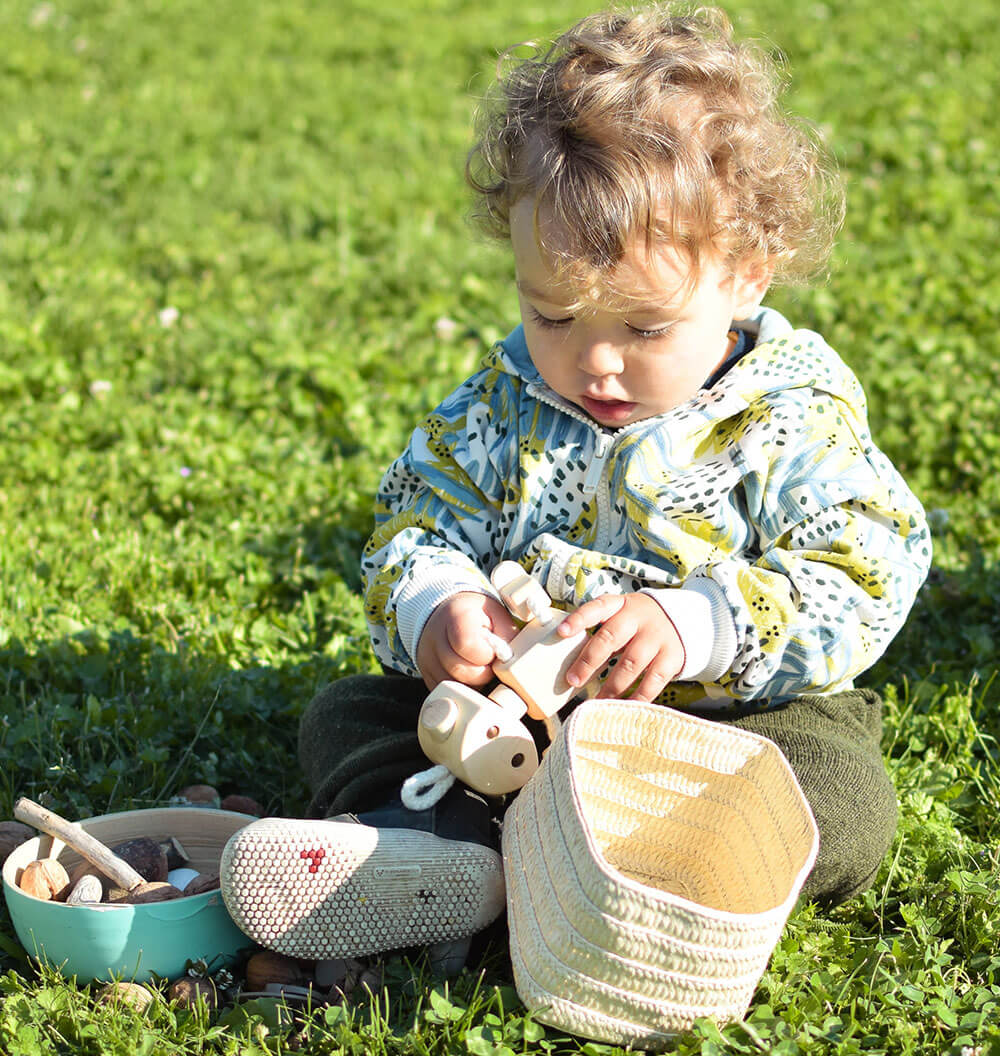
x: 599, y: 357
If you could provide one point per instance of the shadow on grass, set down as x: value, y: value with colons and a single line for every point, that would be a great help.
x: 95, y: 722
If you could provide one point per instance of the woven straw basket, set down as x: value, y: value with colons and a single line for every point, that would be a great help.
x: 651, y: 864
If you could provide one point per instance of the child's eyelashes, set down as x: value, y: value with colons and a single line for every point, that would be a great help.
x: 661, y: 331
x: 545, y: 321
x: 548, y: 322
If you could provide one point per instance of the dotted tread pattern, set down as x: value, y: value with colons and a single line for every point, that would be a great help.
x: 322, y: 890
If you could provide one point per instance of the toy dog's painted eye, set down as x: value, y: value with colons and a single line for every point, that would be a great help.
x: 517, y: 760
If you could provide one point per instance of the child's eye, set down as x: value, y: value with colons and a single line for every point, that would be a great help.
x: 544, y: 320
x: 661, y: 331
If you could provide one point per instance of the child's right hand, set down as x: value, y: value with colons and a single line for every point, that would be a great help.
x: 455, y: 644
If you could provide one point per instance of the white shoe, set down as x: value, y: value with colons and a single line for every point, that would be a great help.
x: 320, y: 890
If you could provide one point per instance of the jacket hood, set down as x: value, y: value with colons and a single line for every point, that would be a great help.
x: 783, y: 358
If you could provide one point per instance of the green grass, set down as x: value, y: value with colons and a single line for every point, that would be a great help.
x: 227, y: 232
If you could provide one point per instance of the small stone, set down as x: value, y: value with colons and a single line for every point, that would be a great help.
x: 198, y: 796
x: 330, y: 973
x: 242, y: 805
x: 174, y: 850
x: 134, y: 994
x: 146, y: 856
x: 180, y: 878
x: 12, y: 835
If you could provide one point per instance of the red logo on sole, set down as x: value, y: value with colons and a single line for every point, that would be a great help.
x: 315, y: 857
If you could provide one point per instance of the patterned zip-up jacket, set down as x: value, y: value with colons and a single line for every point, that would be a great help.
x: 782, y: 543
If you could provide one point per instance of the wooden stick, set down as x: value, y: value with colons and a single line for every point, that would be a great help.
x: 113, y: 867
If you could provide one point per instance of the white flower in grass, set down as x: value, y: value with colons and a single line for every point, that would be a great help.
x: 99, y: 388
x: 445, y: 329
x: 168, y: 316
x: 40, y: 15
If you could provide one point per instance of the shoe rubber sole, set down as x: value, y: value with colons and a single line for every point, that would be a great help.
x: 320, y: 890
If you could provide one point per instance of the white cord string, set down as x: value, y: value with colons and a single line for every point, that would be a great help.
x: 426, y: 788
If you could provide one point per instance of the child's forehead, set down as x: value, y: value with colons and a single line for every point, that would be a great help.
x: 658, y: 277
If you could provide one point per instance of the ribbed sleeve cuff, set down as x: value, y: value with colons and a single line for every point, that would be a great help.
x: 422, y: 595
x: 704, y: 624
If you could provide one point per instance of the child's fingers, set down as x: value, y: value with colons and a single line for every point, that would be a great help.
x: 660, y: 673
x: 590, y: 614
x: 632, y: 664
x: 500, y: 621
x: 609, y: 637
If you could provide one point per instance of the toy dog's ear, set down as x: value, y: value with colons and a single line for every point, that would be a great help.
x: 525, y: 597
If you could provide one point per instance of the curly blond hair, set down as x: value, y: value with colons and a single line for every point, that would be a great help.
x: 656, y: 124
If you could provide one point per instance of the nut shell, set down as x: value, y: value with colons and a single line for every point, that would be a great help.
x: 266, y: 967
x: 87, y: 891
x: 120, y: 993
x: 45, y: 879
x: 201, y: 883
x: 12, y: 835
x: 146, y: 856
x: 158, y: 891
x: 186, y: 992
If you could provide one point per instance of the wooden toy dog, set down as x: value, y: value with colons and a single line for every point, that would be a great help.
x: 481, y: 739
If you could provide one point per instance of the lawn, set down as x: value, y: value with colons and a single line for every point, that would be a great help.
x: 235, y: 267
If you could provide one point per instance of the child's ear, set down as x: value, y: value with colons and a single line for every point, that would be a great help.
x: 750, y: 283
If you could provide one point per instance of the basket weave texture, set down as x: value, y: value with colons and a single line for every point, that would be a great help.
x: 651, y: 864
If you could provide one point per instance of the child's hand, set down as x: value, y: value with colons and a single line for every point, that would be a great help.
x: 636, y: 630
x: 455, y: 642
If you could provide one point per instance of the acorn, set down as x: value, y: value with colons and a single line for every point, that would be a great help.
x: 45, y: 879
x: 120, y: 993
x: 242, y: 805
x: 201, y: 883
x: 12, y: 835
x: 198, y: 796
x: 187, y: 992
x: 159, y: 891
x: 146, y: 856
x: 266, y: 967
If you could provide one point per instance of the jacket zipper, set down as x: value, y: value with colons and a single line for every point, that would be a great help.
x: 595, y: 480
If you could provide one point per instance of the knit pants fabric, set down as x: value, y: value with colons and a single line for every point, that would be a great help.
x: 358, y: 743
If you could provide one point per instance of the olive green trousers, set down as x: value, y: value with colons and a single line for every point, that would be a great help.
x: 358, y: 743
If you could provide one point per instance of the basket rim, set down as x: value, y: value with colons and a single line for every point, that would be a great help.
x: 757, y: 918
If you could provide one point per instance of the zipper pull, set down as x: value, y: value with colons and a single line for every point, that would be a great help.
x: 596, y: 468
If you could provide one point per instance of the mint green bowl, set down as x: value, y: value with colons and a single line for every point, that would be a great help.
x: 131, y: 942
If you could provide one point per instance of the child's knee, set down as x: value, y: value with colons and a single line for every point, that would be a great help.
x: 832, y: 744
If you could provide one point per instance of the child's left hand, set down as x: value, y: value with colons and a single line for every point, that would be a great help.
x: 636, y: 630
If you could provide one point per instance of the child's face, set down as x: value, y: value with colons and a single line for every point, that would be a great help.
x: 622, y: 365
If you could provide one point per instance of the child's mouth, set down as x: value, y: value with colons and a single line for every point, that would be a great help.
x: 610, y: 411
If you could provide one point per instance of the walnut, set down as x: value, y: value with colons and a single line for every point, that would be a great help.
x: 45, y: 879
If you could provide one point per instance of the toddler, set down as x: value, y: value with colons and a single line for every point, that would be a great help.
x: 686, y: 473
